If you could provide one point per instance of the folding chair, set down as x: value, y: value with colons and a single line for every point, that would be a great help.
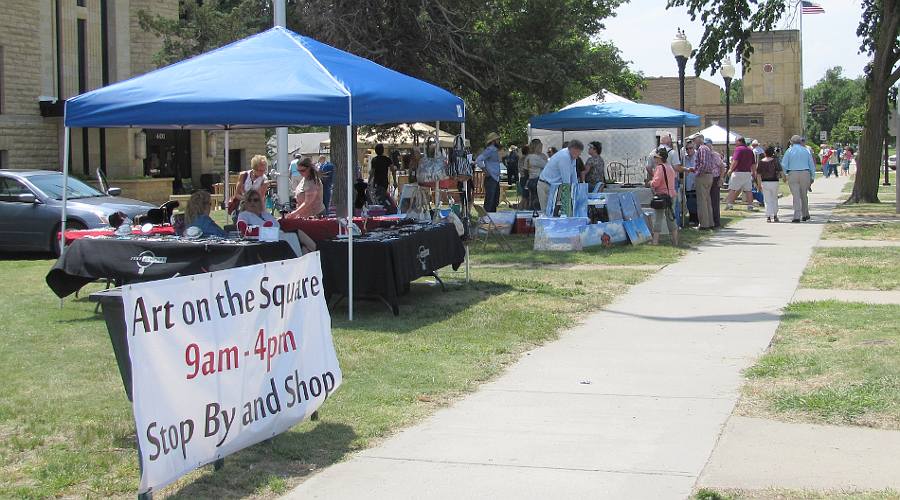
x: 485, y: 224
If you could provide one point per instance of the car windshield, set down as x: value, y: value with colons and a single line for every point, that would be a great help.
x: 52, y: 186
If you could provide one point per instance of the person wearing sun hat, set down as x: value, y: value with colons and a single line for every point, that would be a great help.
x: 489, y: 161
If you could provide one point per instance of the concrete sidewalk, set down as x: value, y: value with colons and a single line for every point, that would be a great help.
x: 866, y: 296
x: 628, y: 405
x: 757, y: 454
x: 858, y: 243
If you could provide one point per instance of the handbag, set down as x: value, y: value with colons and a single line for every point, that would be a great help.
x: 459, y: 166
x: 432, y: 169
x: 662, y: 201
x: 235, y: 201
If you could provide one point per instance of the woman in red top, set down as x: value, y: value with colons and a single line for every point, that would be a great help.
x: 663, y: 183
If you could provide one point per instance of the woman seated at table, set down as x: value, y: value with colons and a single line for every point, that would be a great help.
x: 197, y: 214
x: 308, y: 193
x: 252, y: 213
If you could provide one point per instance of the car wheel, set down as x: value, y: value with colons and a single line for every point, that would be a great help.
x: 54, y: 240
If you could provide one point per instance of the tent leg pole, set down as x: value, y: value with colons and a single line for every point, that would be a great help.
x: 350, y: 170
x: 65, y: 198
x: 465, y: 197
x: 226, y: 198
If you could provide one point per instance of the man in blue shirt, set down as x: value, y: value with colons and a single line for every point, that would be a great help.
x: 800, y: 169
x: 326, y: 170
x: 560, y: 169
x: 489, y: 161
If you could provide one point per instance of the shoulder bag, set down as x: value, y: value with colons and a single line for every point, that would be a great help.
x: 662, y: 201
x: 432, y: 169
x: 459, y: 166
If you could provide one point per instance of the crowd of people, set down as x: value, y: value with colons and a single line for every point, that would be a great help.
x: 751, y: 173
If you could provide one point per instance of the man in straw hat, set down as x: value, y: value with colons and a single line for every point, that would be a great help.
x: 489, y: 161
x: 800, y: 169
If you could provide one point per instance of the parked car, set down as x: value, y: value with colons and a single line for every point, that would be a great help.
x: 892, y: 161
x: 31, y: 208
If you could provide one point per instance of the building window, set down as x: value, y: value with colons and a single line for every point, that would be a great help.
x: 4, y: 158
x: 80, y: 3
x: 82, y: 56
x: 234, y: 159
x: 2, y: 107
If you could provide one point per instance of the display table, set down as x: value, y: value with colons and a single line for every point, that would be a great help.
x: 93, y: 233
x: 386, y: 261
x: 643, y: 194
x: 326, y: 228
x: 131, y: 260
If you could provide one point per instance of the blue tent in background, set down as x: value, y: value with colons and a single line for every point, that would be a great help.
x: 614, y: 115
x: 275, y: 78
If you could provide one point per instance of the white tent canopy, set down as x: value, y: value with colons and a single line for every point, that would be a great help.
x: 629, y: 147
x: 718, y: 134
x: 402, y: 136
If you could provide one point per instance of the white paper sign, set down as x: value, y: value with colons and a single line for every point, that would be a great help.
x: 224, y: 360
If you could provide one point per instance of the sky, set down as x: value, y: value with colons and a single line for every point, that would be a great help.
x: 829, y: 39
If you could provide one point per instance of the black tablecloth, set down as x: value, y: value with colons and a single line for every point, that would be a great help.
x: 385, y: 262
x: 147, y: 259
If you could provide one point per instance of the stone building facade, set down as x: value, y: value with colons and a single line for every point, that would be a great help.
x: 52, y: 50
x: 772, y: 90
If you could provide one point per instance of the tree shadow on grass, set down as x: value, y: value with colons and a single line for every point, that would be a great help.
x: 423, y: 305
x: 26, y: 256
x: 283, y: 459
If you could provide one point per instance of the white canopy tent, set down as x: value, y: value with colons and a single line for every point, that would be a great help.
x: 718, y: 135
x: 629, y: 147
x: 401, y: 136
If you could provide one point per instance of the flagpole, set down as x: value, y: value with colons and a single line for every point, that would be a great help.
x: 802, y: 96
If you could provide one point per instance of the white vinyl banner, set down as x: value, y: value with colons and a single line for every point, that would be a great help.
x: 223, y: 360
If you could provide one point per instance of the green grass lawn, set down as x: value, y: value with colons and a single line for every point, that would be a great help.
x: 853, y: 269
x: 830, y: 362
x: 67, y: 428
x: 865, y: 221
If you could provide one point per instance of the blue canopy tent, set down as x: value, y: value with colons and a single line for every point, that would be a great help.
x: 614, y: 115
x: 274, y: 78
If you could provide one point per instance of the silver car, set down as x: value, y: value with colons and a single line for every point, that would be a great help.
x: 31, y: 208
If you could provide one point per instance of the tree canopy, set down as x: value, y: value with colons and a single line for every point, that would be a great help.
x: 838, y: 95
x: 502, y: 56
x: 729, y: 24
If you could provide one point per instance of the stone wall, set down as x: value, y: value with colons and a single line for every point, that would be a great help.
x: 29, y: 140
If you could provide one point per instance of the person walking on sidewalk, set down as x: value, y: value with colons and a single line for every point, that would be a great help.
x: 800, y: 169
x: 768, y: 173
x: 743, y: 172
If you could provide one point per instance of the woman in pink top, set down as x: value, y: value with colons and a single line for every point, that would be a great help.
x: 663, y: 183
x: 308, y: 192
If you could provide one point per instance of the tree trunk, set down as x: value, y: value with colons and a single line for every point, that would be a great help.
x: 868, y: 167
x: 338, y: 136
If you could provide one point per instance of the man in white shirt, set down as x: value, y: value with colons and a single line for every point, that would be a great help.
x: 560, y: 169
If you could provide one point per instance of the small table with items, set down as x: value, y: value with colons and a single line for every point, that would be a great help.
x: 386, y: 261
x: 326, y: 228
x: 133, y: 259
x: 77, y: 234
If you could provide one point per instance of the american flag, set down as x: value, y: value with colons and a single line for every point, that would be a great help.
x: 811, y: 8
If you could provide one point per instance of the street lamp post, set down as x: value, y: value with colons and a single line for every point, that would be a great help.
x: 681, y: 49
x: 727, y: 72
